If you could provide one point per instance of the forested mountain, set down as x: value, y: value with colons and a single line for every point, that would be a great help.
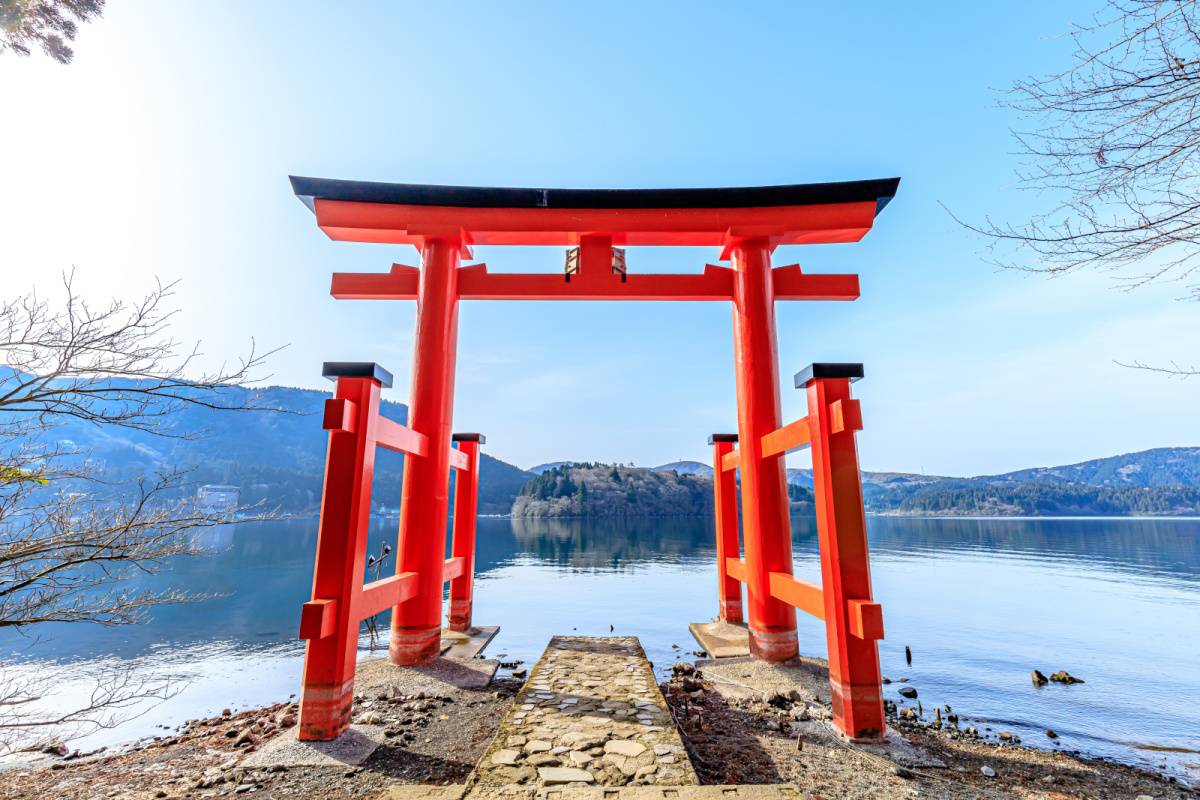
x: 275, y: 457
x: 611, y: 490
x: 1164, y: 481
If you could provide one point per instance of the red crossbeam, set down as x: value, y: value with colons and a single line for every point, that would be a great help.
x: 399, y: 284
x: 453, y: 568
x: 459, y: 460
x: 799, y: 594
x: 391, y: 435
x: 790, y: 437
x: 730, y: 461
x: 735, y: 568
x: 476, y: 283
x: 789, y: 283
x: 385, y: 593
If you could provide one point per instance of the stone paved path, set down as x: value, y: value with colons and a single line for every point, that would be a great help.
x: 590, y: 714
x: 591, y: 792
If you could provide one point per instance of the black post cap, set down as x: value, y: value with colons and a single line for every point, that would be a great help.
x: 722, y: 437
x: 822, y: 370
x: 468, y: 437
x: 356, y: 369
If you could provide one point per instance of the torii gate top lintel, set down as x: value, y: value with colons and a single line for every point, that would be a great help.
x: 594, y: 220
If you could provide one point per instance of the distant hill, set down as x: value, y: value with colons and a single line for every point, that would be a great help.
x: 276, y: 458
x: 686, y: 468
x: 540, y: 468
x: 1163, y: 481
x: 1163, y: 466
x: 611, y: 490
x: 605, y: 490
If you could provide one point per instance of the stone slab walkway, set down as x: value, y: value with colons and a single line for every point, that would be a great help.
x: 460, y: 792
x: 590, y: 714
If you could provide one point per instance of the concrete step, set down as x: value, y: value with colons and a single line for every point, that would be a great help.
x: 722, y: 639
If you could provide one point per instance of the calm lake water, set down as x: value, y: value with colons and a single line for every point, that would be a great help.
x: 981, y: 602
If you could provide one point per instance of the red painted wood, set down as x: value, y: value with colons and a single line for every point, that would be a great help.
x: 391, y: 435
x: 459, y: 460
x: 791, y: 284
x: 735, y: 568
x: 766, y: 529
x: 476, y: 283
x: 798, y: 594
x: 725, y: 512
x: 390, y: 223
x: 424, y: 506
x: 854, y: 674
x: 466, y: 510
x: 385, y: 593
x: 792, y: 436
x: 329, y: 661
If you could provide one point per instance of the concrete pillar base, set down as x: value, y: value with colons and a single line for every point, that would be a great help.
x: 777, y: 645
x: 411, y: 646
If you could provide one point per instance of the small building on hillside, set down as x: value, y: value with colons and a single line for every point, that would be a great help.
x: 214, y: 497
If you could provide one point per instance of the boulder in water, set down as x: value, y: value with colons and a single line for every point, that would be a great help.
x: 1062, y: 676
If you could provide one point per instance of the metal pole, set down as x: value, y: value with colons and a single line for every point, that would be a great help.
x: 765, y: 525
x: 424, y: 505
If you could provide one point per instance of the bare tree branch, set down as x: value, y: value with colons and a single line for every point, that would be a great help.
x: 1113, y: 144
x: 1114, y: 139
x: 70, y: 541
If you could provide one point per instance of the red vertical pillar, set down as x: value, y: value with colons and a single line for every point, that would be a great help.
x: 766, y: 529
x: 424, y: 504
x: 328, y: 621
x: 725, y: 515
x: 466, y: 509
x: 853, y: 622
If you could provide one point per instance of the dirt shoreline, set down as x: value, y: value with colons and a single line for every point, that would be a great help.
x: 741, y: 722
x: 748, y: 722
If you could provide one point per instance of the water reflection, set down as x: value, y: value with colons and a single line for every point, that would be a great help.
x: 981, y: 602
x: 612, y: 543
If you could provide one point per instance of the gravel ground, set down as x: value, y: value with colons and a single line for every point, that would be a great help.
x: 741, y: 722
x: 748, y: 722
x: 434, y: 732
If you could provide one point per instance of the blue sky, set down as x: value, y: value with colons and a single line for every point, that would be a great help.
x: 164, y: 151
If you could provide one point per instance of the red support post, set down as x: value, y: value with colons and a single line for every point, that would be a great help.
x: 853, y: 622
x: 766, y: 527
x: 466, y: 509
x: 725, y: 514
x: 424, y: 505
x: 329, y: 622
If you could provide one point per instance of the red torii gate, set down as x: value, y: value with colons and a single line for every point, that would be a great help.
x: 443, y: 223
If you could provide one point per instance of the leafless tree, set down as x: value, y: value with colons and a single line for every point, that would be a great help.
x: 48, y: 24
x: 1114, y: 143
x: 70, y: 540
